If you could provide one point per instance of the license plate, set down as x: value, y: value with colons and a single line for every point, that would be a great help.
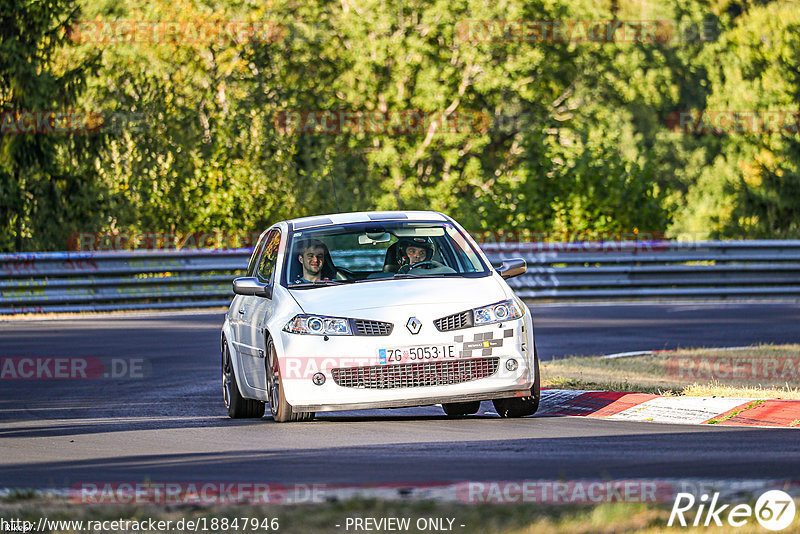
x: 417, y: 353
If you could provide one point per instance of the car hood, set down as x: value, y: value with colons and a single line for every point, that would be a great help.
x: 340, y: 300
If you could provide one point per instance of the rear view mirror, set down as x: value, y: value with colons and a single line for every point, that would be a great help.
x: 513, y: 267
x: 251, y: 286
x: 373, y: 238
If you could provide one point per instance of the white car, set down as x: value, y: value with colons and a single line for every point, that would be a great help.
x: 376, y: 310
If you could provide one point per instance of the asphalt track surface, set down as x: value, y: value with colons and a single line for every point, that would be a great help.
x: 171, y: 426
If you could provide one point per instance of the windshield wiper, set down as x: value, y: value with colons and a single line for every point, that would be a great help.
x: 317, y: 283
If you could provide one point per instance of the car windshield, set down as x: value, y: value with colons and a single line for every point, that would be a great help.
x: 364, y: 252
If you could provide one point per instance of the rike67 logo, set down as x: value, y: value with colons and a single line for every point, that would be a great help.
x: 774, y: 510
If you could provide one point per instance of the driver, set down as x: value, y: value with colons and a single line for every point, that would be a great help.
x: 413, y: 250
x: 311, y: 255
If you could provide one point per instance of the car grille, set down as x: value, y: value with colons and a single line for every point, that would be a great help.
x: 373, y: 328
x: 414, y: 375
x: 454, y: 322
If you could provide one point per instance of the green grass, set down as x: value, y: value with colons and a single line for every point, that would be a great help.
x: 661, y: 373
x: 20, y: 495
x: 734, y: 413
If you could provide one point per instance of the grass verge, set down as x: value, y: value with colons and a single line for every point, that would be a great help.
x: 762, y: 371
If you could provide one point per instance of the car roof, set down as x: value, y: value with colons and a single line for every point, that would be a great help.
x: 365, y: 216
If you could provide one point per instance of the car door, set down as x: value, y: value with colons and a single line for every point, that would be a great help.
x: 239, y: 303
x: 256, y: 312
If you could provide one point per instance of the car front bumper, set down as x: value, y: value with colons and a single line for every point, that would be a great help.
x: 423, y: 383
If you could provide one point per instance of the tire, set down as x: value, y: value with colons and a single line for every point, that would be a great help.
x: 457, y: 409
x: 282, y: 411
x: 521, y: 406
x: 237, y: 406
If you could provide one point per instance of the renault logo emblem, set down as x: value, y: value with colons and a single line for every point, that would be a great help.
x: 414, y: 325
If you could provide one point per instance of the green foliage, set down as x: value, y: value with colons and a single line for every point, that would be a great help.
x: 45, y: 181
x: 750, y: 186
x: 569, y: 136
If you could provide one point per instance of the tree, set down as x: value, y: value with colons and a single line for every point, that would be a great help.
x: 46, y: 185
x: 751, y: 186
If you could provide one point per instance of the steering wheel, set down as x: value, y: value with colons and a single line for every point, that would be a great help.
x: 344, y: 274
x: 427, y: 264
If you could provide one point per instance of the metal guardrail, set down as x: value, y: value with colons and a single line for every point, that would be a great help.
x: 129, y: 280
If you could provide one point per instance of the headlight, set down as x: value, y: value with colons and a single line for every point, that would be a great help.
x: 497, y: 313
x: 319, y: 325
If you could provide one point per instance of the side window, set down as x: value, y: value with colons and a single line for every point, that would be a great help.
x: 266, y: 264
x: 251, y: 267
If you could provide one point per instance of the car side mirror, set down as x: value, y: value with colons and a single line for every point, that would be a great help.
x: 513, y: 267
x: 251, y: 286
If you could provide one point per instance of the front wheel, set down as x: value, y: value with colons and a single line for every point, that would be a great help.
x: 521, y: 406
x: 237, y: 406
x: 281, y: 410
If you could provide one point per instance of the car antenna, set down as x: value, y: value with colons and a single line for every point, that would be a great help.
x: 335, y: 198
